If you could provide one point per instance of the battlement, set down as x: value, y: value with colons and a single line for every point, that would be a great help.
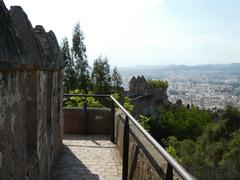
x: 146, y: 95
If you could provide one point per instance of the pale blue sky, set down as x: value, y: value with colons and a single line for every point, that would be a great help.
x: 146, y: 32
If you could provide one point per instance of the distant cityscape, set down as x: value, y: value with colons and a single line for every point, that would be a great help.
x: 206, y: 86
x: 203, y: 91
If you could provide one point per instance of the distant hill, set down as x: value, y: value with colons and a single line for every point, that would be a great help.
x: 206, y: 67
x: 164, y: 72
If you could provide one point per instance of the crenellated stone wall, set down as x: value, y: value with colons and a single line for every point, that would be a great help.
x: 144, y: 97
x: 31, y: 123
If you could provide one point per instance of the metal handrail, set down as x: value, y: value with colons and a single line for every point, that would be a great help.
x: 87, y: 95
x: 178, y: 168
x: 174, y: 164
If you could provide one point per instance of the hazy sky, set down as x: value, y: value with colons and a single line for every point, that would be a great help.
x: 145, y: 32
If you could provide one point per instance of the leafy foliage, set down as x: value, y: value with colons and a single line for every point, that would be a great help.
x: 79, y: 101
x: 172, y: 151
x: 117, y: 96
x: 101, y: 78
x: 70, y: 79
x: 80, y: 58
x: 145, y: 122
x: 232, y: 156
x: 181, y: 122
x: 231, y: 118
x: 214, y: 153
x: 158, y: 84
x: 116, y: 80
x: 128, y: 105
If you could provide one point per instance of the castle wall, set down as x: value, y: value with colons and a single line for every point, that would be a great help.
x: 145, y: 98
x: 30, y: 97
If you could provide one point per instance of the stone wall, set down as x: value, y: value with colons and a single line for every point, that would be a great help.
x: 98, y: 121
x: 147, y: 104
x: 144, y: 97
x: 138, y: 85
x: 31, y: 122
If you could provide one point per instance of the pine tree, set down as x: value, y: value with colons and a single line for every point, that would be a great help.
x: 80, y: 58
x: 116, y: 80
x: 69, y: 71
x: 101, y: 78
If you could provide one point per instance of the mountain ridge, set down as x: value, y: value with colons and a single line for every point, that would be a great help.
x: 231, y: 66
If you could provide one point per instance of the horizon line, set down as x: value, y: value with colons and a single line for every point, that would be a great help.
x: 188, y: 65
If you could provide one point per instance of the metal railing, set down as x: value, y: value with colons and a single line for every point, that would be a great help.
x: 172, y: 164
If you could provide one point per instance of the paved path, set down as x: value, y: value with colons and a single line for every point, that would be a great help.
x: 88, y: 158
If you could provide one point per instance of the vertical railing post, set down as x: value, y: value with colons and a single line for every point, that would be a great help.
x: 125, y: 149
x: 86, y: 117
x: 169, y: 175
x: 113, y: 122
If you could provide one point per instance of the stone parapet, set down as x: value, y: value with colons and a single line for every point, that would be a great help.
x: 96, y: 121
x: 144, y: 161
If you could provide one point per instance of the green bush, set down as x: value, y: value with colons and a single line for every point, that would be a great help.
x: 145, y: 122
x: 79, y: 101
x: 180, y: 122
x: 172, y: 151
x: 128, y: 105
x: 158, y: 84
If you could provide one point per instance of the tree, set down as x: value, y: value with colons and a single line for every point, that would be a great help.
x: 80, y: 58
x: 215, y: 150
x: 116, y: 80
x: 69, y: 71
x: 232, y: 157
x: 101, y: 78
x: 180, y: 122
x: 231, y: 117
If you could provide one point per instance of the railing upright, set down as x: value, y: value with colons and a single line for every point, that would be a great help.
x: 125, y: 149
x: 169, y: 175
x: 86, y: 116
x: 113, y: 122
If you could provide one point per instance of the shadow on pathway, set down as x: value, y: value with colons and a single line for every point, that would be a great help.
x: 88, y: 158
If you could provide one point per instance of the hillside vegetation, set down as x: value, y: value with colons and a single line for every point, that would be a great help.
x: 206, y: 143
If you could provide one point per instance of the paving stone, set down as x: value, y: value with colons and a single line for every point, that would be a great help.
x: 88, y: 157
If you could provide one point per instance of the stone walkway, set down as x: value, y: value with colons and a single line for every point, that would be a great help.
x: 88, y: 158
